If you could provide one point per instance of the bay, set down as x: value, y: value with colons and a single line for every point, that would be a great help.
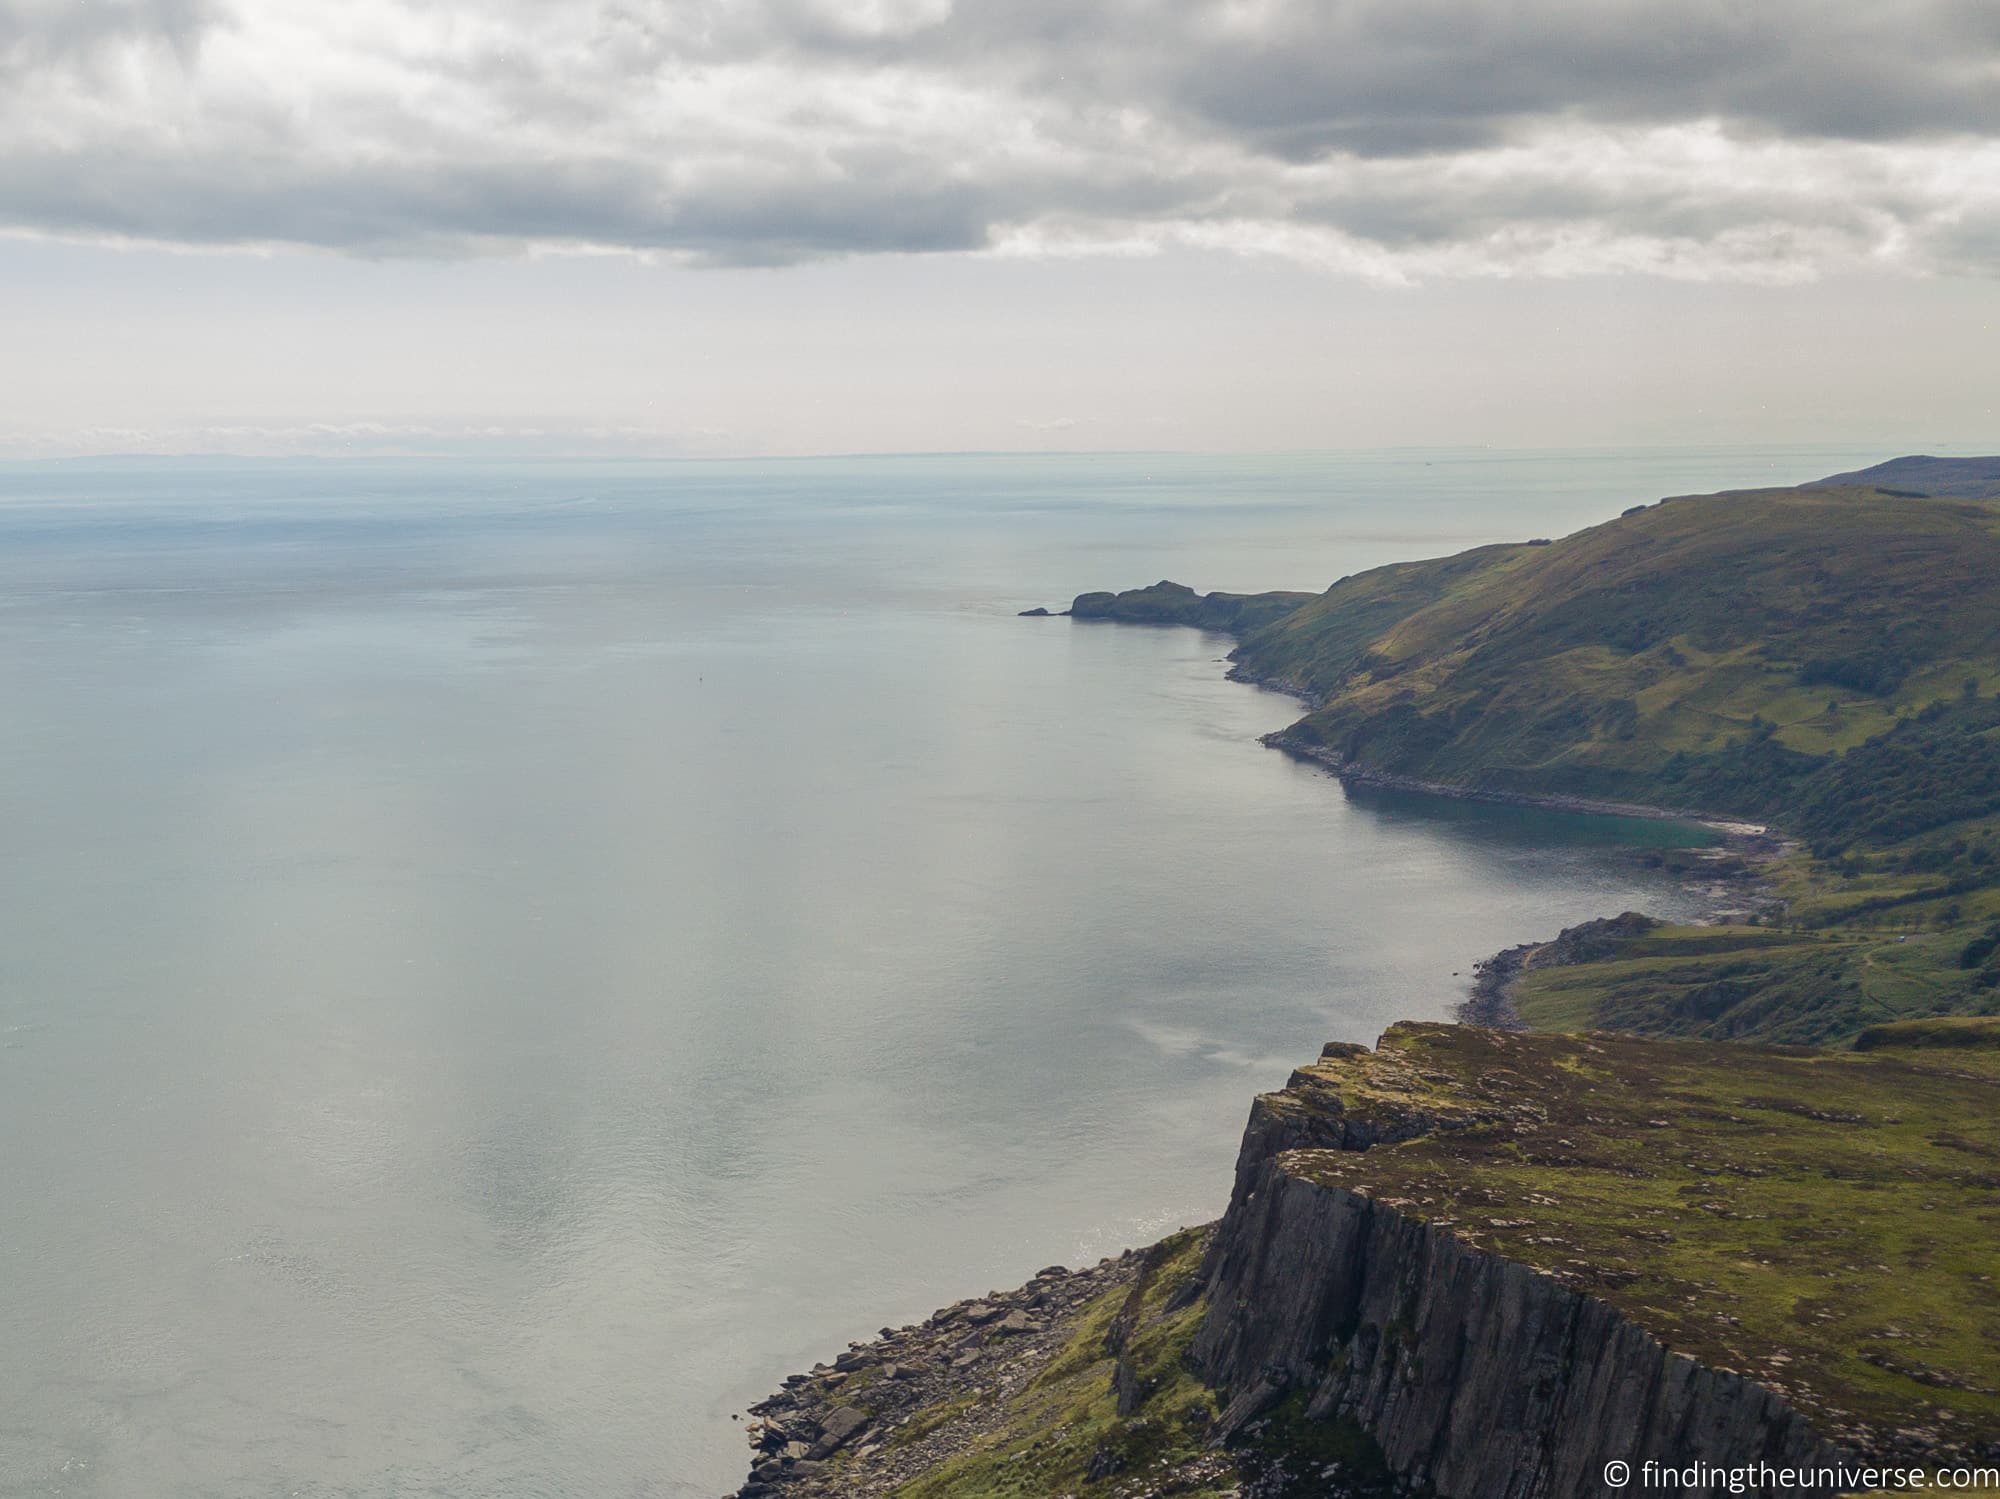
x: 504, y: 961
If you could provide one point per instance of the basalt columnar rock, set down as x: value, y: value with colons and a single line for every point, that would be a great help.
x: 1478, y: 1375
x: 1512, y: 1259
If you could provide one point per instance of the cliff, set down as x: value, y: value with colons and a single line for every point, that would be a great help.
x: 1512, y: 1259
x: 1477, y: 1375
x: 1483, y: 1265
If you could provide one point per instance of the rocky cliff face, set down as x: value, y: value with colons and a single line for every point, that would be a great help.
x: 1478, y: 1264
x: 1479, y: 1377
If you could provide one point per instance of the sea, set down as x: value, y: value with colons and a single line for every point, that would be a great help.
x: 500, y: 962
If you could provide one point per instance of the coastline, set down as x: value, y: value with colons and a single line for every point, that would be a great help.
x: 1491, y: 1002
x: 1727, y: 876
x: 1729, y: 828
x: 1742, y: 836
x: 975, y: 1352
x: 953, y: 1361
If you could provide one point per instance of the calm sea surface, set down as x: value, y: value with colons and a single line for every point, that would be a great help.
x: 500, y: 963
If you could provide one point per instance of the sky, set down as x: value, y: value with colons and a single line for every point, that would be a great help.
x: 797, y: 226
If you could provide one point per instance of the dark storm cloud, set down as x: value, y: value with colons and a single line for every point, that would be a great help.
x: 1420, y: 137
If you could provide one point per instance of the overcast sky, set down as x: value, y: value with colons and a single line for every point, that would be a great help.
x: 840, y: 225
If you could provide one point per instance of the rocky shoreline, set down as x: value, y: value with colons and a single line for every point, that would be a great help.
x: 1728, y: 878
x: 1346, y: 771
x: 912, y: 1399
x: 1491, y: 1001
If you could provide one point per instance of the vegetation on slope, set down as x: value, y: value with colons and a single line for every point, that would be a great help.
x: 1825, y: 656
x: 1866, y: 934
x: 1065, y: 1433
x: 1824, y: 659
x: 1921, y: 476
x: 1715, y: 651
x: 1069, y: 1431
x: 1731, y: 983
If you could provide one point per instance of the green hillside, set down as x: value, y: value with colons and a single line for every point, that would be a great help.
x: 1825, y: 659
x: 1713, y: 652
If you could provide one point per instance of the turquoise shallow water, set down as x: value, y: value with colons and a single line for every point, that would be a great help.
x: 502, y: 963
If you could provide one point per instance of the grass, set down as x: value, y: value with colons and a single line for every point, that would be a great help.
x: 1065, y: 1427
x: 1066, y: 1420
x: 1821, y: 1221
x: 1872, y: 937
x: 1798, y: 987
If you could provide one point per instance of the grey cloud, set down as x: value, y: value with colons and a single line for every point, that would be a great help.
x: 1970, y: 245
x: 415, y: 210
x: 1402, y: 137
x: 1410, y: 76
x: 51, y: 34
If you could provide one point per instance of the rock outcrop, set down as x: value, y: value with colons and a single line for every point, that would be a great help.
x: 1512, y: 1260
x: 1479, y: 1377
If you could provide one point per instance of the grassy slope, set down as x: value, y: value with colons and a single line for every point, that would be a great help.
x: 1883, y: 932
x: 1825, y: 658
x: 1920, y: 475
x: 1068, y: 1414
x: 1629, y: 659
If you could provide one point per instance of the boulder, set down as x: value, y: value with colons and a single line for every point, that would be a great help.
x: 837, y: 1430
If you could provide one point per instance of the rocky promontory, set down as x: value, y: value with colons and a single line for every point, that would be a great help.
x: 1168, y: 603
